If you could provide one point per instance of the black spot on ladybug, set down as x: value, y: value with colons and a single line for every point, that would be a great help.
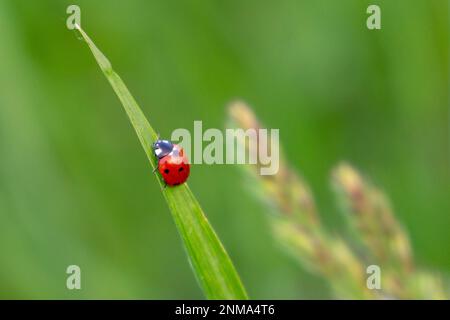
x: 166, y: 170
x: 181, y: 169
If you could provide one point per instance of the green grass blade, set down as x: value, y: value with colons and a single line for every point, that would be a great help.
x: 211, y: 264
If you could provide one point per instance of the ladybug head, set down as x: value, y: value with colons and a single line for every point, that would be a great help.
x: 162, y: 148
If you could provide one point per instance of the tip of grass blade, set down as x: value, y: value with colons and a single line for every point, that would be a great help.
x: 102, y: 61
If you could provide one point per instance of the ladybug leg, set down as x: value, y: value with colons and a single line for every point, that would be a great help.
x: 154, y: 170
x: 165, y: 186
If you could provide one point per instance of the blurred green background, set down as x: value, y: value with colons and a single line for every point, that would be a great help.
x: 75, y: 185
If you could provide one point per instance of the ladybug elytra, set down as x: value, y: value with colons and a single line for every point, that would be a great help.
x: 173, y: 165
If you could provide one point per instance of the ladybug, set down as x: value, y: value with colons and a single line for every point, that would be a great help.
x: 173, y: 165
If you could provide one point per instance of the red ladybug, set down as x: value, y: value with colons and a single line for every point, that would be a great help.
x: 172, y: 163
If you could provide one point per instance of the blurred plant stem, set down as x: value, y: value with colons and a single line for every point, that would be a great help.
x: 297, y: 226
